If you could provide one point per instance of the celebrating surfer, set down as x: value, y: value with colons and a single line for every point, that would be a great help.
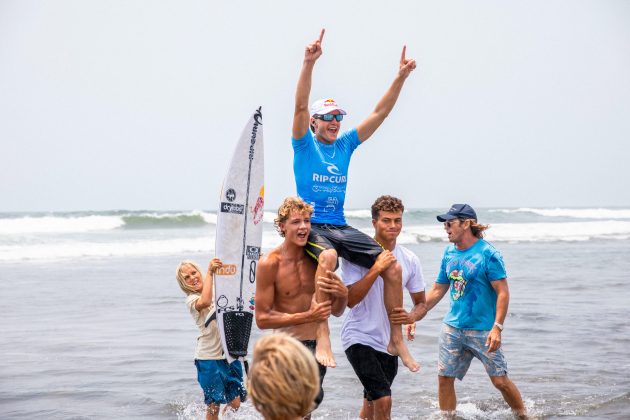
x: 321, y: 160
x: 284, y: 283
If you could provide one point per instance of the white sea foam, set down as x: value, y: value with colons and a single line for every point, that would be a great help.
x: 593, y: 213
x: 63, y: 250
x: 210, y: 218
x: 53, y: 224
x: 530, y: 232
x: 91, y: 223
x: 68, y: 249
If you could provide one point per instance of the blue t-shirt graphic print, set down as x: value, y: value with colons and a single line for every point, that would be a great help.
x: 470, y: 273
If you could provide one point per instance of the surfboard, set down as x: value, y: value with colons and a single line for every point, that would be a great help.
x: 239, y: 239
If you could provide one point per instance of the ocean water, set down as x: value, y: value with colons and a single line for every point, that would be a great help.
x: 93, y: 324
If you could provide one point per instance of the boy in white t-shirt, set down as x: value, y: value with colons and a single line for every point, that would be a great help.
x: 366, y: 329
x: 221, y: 382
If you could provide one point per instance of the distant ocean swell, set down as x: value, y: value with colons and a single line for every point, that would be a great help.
x: 109, y: 234
x: 75, y: 223
x: 100, y: 221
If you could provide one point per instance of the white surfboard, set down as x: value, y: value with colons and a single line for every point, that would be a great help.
x: 239, y: 239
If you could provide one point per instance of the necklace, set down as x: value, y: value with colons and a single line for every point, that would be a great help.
x: 323, y: 151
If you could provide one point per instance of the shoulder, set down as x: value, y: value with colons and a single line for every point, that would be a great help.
x: 489, y: 250
x: 191, y: 299
x: 406, y: 253
x: 450, y: 249
x: 304, y: 141
x: 270, y: 261
x: 350, y: 138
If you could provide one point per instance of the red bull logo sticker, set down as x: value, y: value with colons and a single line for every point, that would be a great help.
x: 258, y: 209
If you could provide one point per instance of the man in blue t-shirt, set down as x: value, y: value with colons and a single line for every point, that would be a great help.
x: 321, y: 160
x: 473, y: 271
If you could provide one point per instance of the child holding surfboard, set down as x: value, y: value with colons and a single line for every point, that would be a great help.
x: 221, y: 382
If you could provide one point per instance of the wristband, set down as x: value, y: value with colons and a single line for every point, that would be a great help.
x: 499, y: 326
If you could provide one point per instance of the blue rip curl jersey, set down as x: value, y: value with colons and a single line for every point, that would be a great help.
x: 470, y: 272
x: 321, y: 174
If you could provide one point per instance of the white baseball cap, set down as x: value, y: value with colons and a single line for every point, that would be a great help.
x: 325, y: 106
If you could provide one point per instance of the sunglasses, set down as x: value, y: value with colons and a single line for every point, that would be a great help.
x: 452, y: 222
x: 328, y: 117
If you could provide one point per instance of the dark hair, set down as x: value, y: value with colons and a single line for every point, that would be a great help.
x: 387, y: 203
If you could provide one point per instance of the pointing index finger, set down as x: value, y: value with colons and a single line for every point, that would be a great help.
x: 402, y: 56
x: 321, y: 35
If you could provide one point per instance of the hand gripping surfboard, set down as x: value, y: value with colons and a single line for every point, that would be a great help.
x: 239, y: 239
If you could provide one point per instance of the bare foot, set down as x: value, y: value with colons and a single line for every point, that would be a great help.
x: 323, y: 352
x: 400, y: 349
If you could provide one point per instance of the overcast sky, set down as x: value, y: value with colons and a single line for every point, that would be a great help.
x: 138, y: 104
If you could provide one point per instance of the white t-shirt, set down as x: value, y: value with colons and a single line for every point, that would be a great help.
x: 209, y: 340
x: 367, y: 322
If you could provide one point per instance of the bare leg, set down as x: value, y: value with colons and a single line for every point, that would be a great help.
x: 392, y: 279
x: 212, y: 412
x: 511, y: 395
x: 446, y: 396
x: 382, y: 408
x: 367, y: 410
x: 323, y: 352
x: 233, y: 405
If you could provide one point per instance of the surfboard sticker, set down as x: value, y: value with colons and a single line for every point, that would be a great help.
x: 239, y: 239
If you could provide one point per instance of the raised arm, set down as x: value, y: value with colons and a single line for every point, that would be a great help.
x: 368, y: 126
x: 266, y: 316
x: 205, y: 300
x: 301, y: 116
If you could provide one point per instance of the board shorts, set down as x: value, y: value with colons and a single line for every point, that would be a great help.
x: 351, y: 244
x: 458, y: 347
x: 221, y: 382
x: 312, y: 345
x: 376, y: 370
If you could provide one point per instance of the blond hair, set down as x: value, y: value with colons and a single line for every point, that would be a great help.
x: 289, y: 205
x: 283, y: 378
x: 179, y: 275
x: 477, y: 229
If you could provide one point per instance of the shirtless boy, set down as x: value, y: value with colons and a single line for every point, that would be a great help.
x: 285, y: 285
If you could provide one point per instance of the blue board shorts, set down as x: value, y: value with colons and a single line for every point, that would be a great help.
x: 221, y: 382
x: 458, y: 347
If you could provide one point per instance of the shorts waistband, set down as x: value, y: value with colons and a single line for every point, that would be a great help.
x: 329, y: 226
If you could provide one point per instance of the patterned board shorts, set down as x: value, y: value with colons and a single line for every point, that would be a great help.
x: 458, y: 347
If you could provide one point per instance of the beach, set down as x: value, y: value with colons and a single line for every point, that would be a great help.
x: 94, y: 325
